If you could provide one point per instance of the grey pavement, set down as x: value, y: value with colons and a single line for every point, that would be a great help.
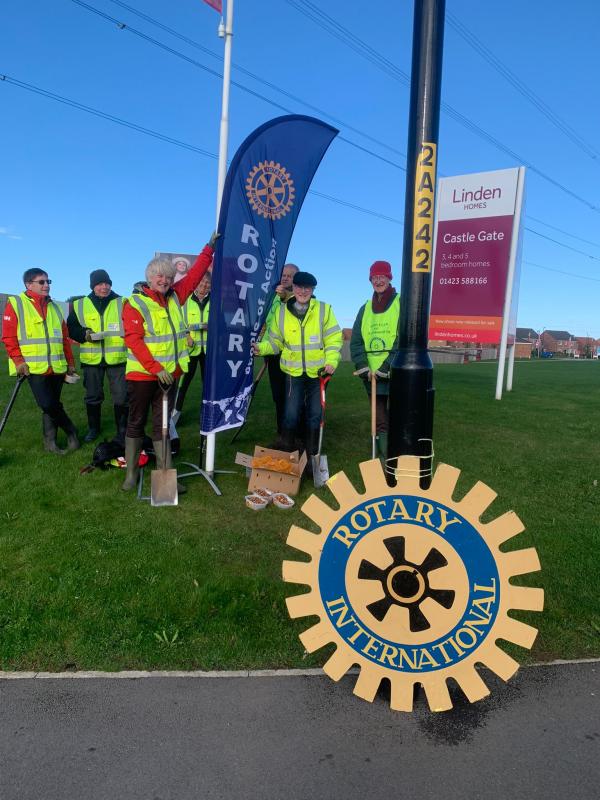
x: 297, y: 738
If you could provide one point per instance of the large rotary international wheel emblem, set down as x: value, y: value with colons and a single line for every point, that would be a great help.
x: 411, y: 586
x: 270, y: 190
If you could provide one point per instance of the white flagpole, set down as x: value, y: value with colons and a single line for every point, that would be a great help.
x: 226, y: 33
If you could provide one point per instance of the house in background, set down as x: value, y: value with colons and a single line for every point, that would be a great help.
x: 561, y: 342
x: 587, y: 346
x: 526, y: 340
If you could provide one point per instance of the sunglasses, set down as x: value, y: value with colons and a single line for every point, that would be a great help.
x: 42, y: 281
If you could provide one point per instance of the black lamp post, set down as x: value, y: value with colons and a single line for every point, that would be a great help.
x: 411, y: 379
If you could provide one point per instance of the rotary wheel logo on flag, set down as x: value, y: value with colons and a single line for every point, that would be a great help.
x: 270, y: 190
x: 411, y: 586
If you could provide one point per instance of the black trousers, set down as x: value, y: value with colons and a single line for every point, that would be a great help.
x: 46, y: 390
x: 277, y: 381
x: 187, y: 378
x: 93, y: 381
x: 143, y: 396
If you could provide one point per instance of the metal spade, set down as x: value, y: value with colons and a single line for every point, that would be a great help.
x: 319, y: 462
x: 163, y: 485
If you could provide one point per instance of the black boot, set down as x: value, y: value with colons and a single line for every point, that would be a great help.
x: 133, y: 448
x: 49, y: 429
x: 121, y: 415
x: 382, y: 446
x: 312, y: 447
x: 158, y: 451
x: 93, y: 415
x: 64, y: 421
x: 286, y: 441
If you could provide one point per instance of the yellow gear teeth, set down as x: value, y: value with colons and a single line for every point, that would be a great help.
x: 316, y: 637
x: 476, y: 501
x: 471, y: 682
x: 367, y: 684
x: 500, y: 662
x: 519, y: 562
x: 303, y: 605
x: 402, y: 693
x: 410, y: 585
x: 296, y: 572
x: 444, y: 481
x: 309, y: 543
x: 502, y: 528
x: 343, y: 491
x: 316, y: 510
x: 525, y: 598
x: 438, y: 695
x: 338, y: 664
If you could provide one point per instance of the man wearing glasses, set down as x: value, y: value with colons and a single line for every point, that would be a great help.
x: 36, y: 338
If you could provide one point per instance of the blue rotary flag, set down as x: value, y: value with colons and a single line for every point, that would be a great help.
x: 265, y: 187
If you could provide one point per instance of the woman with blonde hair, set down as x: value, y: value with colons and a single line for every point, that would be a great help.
x: 157, y: 353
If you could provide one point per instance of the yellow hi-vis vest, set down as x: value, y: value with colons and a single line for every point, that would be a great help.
x: 306, y: 346
x: 40, y: 340
x: 110, y: 349
x: 379, y: 332
x: 195, y: 317
x: 164, y: 334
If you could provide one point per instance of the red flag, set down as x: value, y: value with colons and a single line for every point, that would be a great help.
x: 216, y: 4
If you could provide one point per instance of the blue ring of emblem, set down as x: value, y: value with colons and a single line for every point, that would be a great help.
x: 468, y: 544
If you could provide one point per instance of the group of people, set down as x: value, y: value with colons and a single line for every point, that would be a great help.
x: 151, y: 344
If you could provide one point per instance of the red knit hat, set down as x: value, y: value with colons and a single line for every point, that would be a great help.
x: 381, y: 268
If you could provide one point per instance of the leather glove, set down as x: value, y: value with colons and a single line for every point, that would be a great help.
x: 383, y: 375
x: 364, y: 372
x: 88, y: 335
x: 213, y: 239
x: 165, y: 377
x: 22, y: 370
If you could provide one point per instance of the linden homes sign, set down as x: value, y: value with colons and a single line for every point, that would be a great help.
x: 475, y: 231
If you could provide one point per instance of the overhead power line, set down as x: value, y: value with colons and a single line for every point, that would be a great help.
x: 255, y: 77
x: 561, y: 230
x: 562, y: 244
x: 193, y: 148
x: 165, y: 138
x: 124, y: 27
x: 521, y: 87
x: 104, y: 115
x: 342, y: 33
x: 321, y: 111
x: 562, y: 272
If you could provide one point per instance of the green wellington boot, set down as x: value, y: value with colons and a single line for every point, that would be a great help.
x: 133, y: 448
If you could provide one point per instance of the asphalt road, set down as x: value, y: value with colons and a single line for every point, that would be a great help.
x: 297, y: 738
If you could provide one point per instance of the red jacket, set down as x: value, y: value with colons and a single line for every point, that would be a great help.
x: 10, y: 326
x: 133, y: 322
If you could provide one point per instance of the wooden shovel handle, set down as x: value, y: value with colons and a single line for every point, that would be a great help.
x: 373, y: 404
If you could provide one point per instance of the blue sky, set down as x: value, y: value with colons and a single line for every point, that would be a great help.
x: 79, y: 192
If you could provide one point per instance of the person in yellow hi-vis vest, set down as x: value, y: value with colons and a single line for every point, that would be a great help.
x: 195, y: 315
x: 36, y: 338
x: 95, y: 322
x: 306, y: 333
x: 374, y: 341
x: 157, y: 352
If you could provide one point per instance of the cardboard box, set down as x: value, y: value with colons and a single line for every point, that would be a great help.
x: 271, y: 479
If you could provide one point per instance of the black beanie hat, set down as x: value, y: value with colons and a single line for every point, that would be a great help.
x: 304, y: 279
x: 99, y: 276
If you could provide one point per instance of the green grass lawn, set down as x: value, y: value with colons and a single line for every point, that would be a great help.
x: 90, y: 577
